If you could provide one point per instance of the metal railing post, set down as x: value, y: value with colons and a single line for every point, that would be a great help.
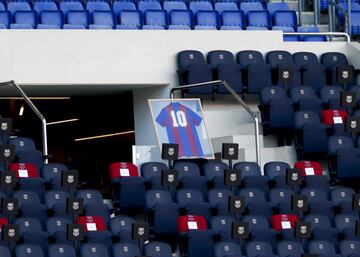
x: 37, y: 112
x: 316, y: 12
x: 348, y: 22
x: 300, y: 10
x: 237, y: 98
x: 329, y: 34
x: 330, y: 17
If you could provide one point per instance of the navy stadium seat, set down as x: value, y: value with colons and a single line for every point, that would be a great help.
x: 222, y: 227
x: 305, y: 59
x: 275, y: 168
x: 122, y: 227
x: 318, y: 202
x: 29, y: 250
x: 254, y: 249
x: 346, y: 225
x: 271, y: 93
x: 322, y: 247
x: 219, y: 199
x: 4, y: 251
x: 349, y: 248
x: 125, y: 250
x: 157, y: 249
x: 93, y: 249
x: 214, y: 172
x: 61, y: 250
x: 332, y: 61
x: 57, y: 228
x: 256, y: 202
x: 200, y: 243
x: 348, y: 164
x: 280, y: 199
x: 289, y: 248
x: 192, y: 201
x: 223, y: 249
x: 321, y: 228
x: 251, y: 176
x: 260, y: 229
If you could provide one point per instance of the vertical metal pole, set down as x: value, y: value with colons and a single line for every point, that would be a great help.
x: 349, y: 17
x: 333, y: 16
x: 257, y: 142
x: 330, y: 18
x: 300, y: 10
x: 316, y: 12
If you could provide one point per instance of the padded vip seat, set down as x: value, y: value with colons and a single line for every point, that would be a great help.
x: 256, y: 202
x: 200, y: 6
x: 348, y: 164
x: 305, y: 60
x: 251, y: 176
x: 102, y: 20
x: 192, y: 202
x: 258, y: 19
x: 174, y: 5
x: 331, y: 95
x: 315, y: 77
x: 57, y: 229
x: 25, y: 149
x: 130, y: 19
x: 220, y: 7
x: 200, y: 242
x: 92, y: 250
x: 180, y: 19
x: 338, y: 142
x: 280, y: 199
x: 152, y: 171
x: 66, y: 6
x: 318, y: 202
x: 232, y: 20
x: 285, y: 225
x: 61, y: 250
x: 223, y: 249
x: 214, y: 172
x: 289, y: 248
x: 342, y: 198
x: 4, y: 251
x: 322, y: 229
x: 206, y: 20
x: 346, y: 225
x: 275, y: 168
x: 187, y: 223
x: 312, y: 140
x: 349, y: 248
x: 219, y: 200
x: 122, y: 227
x: 222, y: 227
x: 94, y: 204
x: 144, y: 6
x: 271, y: 93
x: 77, y: 19
x: 28, y: 250
x: 52, y: 173
x: 51, y: 20
x: 323, y: 248
x: 158, y: 249
x: 119, y: 6
x: 31, y: 232
x: 125, y: 250
x: 332, y: 61
x: 193, y: 69
x: 225, y: 68
x: 254, y: 249
x: 260, y: 229
x: 336, y: 120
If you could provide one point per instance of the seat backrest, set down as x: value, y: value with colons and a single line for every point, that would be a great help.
x: 103, y: 18
x: 78, y: 17
x: 301, y: 92
x: 200, y: 6
x: 332, y: 117
x: 4, y: 251
x: 286, y: 18
x: 52, y: 18
x: 309, y: 168
x: 22, y: 143
x: 271, y: 92
x: 232, y: 18
x: 221, y: 223
x: 130, y: 17
x: 258, y: 19
x: 13, y: 7
x: 220, y: 57
x: 214, y: 169
x: 45, y: 6
x: 187, y: 58
x: 348, y: 248
x: 52, y: 170
x: 154, y: 197
x: 181, y: 17
x: 314, y: 194
x: 65, y: 7
x: 28, y: 224
x: 343, y: 221
x: 155, y: 17
x: 92, y: 223
x: 191, y: 222
x: 61, y: 250
x: 248, y: 169
x: 333, y: 59
x: 57, y: 224
x: 289, y: 248
x: 26, y: 197
x: 244, y: 58
x: 330, y: 92
x: 220, y: 7
x: 252, y: 195
x: 283, y: 221
x: 152, y: 169
x: 24, y: 170
x: 125, y: 250
x: 207, y: 18
x: 28, y: 250
x: 340, y: 194
x: 273, y: 7
x: 318, y: 221
x: 186, y: 196
x: 92, y: 6
x: 305, y: 117
x: 144, y: 6
x: 55, y: 197
x: 257, y: 222
x: 250, y: 6
x: 227, y: 249
x: 338, y: 142
x: 121, y: 223
x: 158, y: 249
x: 255, y: 248
x: 276, y: 58
x: 186, y: 169
x: 280, y: 195
x: 5, y: 19
x: 274, y: 169
x: 90, y: 196
x: 93, y: 249
x: 305, y: 59
x: 321, y: 247
x: 122, y: 169
x: 174, y: 5
x: 218, y: 196
x: 119, y: 6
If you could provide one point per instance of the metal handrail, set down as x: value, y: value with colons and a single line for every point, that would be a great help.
x: 241, y: 102
x: 36, y: 111
x: 330, y: 34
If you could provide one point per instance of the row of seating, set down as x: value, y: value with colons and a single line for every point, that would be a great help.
x: 242, y: 74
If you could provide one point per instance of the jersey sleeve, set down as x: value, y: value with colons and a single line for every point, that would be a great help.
x: 193, y: 117
x: 162, y: 118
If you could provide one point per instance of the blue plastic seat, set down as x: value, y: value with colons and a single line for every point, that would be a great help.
x: 355, y: 22
x: 206, y: 20
x: 119, y: 6
x: 155, y: 19
x: 258, y: 19
x: 13, y: 7
x: 130, y: 20
x: 65, y: 7
x: 174, y: 5
x: 44, y: 6
x: 103, y: 18
x: 23, y: 20
x: 144, y: 6
x: 285, y: 18
x: 5, y: 19
x: 92, y: 6
x: 51, y: 20
x: 287, y: 38
x: 180, y: 19
x: 225, y: 67
x: 311, y: 38
x: 77, y: 19
x: 273, y: 7
x: 250, y: 6
x: 232, y: 20
x: 220, y: 7
x: 200, y: 6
